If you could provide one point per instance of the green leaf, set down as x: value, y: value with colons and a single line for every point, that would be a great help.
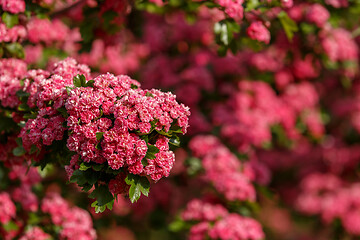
x: 10, y: 20
x: 90, y: 83
x: 99, y: 135
x: 68, y: 90
x: 177, y: 225
x: 83, y: 167
x: 162, y: 132
x: 134, y: 193
x: 251, y: 5
x: 10, y: 226
x: 100, y: 209
x: 19, y: 151
x: 33, y: 219
x: 288, y: 24
x: 86, y: 31
x: 78, y: 177
x: 79, y: 81
x: 15, y: 50
x: 149, y: 94
x: 138, y: 185
x: 63, y: 112
x: 152, y: 150
x: 144, y: 162
x: 102, y: 195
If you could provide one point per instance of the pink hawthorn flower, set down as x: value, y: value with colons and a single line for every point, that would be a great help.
x: 35, y: 233
x: 13, y: 6
x: 7, y: 208
x: 317, y: 14
x: 258, y: 31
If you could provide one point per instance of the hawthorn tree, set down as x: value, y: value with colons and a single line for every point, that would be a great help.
x: 237, y: 119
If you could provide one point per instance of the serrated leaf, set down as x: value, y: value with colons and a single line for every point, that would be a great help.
x: 100, y: 209
x: 83, y: 167
x: 102, y: 195
x: 138, y: 185
x: 110, y: 204
x: 9, y: 19
x: 94, y: 204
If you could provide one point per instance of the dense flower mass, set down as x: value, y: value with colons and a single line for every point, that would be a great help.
x: 108, y: 121
x: 272, y: 146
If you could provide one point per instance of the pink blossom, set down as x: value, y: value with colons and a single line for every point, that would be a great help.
x: 7, y: 208
x: 317, y: 14
x: 35, y: 233
x: 258, y: 31
x: 13, y: 6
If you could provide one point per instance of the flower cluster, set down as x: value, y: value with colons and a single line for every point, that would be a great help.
x: 331, y: 198
x: 108, y: 120
x: 122, y: 115
x: 13, y: 6
x: 215, y: 222
x: 75, y: 222
x: 223, y: 169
